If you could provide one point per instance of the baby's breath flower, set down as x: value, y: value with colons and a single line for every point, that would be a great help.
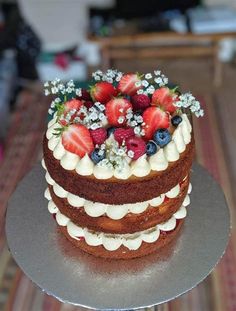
x: 46, y: 92
x: 130, y: 154
x: 78, y: 92
x: 140, y: 91
x: 148, y: 76
x: 157, y: 72
x: 50, y: 111
x: 187, y: 100
x: 145, y: 83
x: 138, y: 83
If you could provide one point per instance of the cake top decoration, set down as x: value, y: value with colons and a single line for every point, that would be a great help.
x: 121, y: 118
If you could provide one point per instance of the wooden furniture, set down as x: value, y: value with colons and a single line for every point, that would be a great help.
x: 163, y: 46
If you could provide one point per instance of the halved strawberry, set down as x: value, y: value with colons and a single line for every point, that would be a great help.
x: 77, y: 139
x: 116, y: 110
x: 102, y: 92
x: 165, y: 98
x: 154, y: 119
x: 127, y: 84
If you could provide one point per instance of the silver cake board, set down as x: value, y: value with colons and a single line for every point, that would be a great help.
x: 72, y: 276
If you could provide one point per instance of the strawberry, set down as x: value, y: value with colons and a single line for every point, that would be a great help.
x: 127, y: 84
x: 137, y: 146
x: 116, y: 110
x: 154, y: 119
x: 164, y: 98
x: 121, y: 134
x: 77, y: 139
x: 103, y: 92
x: 99, y: 135
x: 73, y: 104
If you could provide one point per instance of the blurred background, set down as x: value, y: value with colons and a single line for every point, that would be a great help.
x: 192, y: 41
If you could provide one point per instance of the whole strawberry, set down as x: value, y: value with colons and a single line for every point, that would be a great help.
x: 77, y: 139
x: 127, y: 84
x: 140, y: 101
x: 165, y: 98
x: 154, y: 118
x: 99, y: 135
x: 103, y: 92
x: 72, y: 105
x: 121, y: 134
x: 116, y: 111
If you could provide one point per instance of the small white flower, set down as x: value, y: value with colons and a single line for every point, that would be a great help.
x: 140, y: 91
x: 57, y: 100
x: 121, y: 120
x: 138, y: 83
x: 157, y: 72
x: 78, y: 92
x: 148, y: 76
x: 46, y: 84
x: 46, y: 92
x: 150, y: 89
x: 54, y: 90
x: 50, y: 111
x: 71, y: 84
x: 130, y: 153
x: 145, y: 83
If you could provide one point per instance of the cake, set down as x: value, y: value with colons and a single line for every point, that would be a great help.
x: 118, y: 157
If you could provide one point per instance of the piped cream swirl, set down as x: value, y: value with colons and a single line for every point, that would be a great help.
x: 112, y: 242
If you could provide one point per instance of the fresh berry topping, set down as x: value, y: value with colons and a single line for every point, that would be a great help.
x: 165, y: 99
x: 176, y: 120
x: 140, y: 101
x: 127, y: 84
x: 88, y: 104
x: 151, y: 148
x: 70, y: 110
x: 122, y: 134
x: 77, y: 139
x: 85, y: 95
x: 99, y: 135
x: 162, y: 137
x: 116, y: 110
x: 136, y: 147
x: 98, y: 155
x: 154, y: 118
x: 110, y: 130
x: 72, y: 104
x: 103, y: 92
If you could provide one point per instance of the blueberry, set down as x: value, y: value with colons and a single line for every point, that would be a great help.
x: 176, y: 120
x: 110, y: 131
x: 151, y: 148
x: 162, y: 137
x: 97, y: 155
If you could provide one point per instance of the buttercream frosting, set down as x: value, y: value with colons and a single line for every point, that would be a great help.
x: 112, y: 242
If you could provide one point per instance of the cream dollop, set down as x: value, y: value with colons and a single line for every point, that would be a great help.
x: 102, y: 172
x: 85, y: 166
x: 69, y: 161
x: 158, y: 161
x: 125, y: 173
x: 171, y: 152
x: 59, y: 150
x: 112, y: 242
x: 178, y: 138
x: 141, y: 167
x: 94, y: 209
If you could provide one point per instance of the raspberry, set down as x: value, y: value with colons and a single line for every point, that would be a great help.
x: 98, y: 136
x: 85, y: 95
x: 137, y: 146
x: 121, y: 134
x: 88, y: 104
x: 140, y: 101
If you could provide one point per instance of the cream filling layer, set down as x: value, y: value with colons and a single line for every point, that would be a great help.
x: 112, y: 242
x: 140, y: 168
x: 96, y: 209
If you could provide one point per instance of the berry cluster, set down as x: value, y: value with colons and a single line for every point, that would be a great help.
x: 121, y: 116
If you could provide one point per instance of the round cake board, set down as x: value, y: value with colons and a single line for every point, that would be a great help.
x: 72, y: 276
